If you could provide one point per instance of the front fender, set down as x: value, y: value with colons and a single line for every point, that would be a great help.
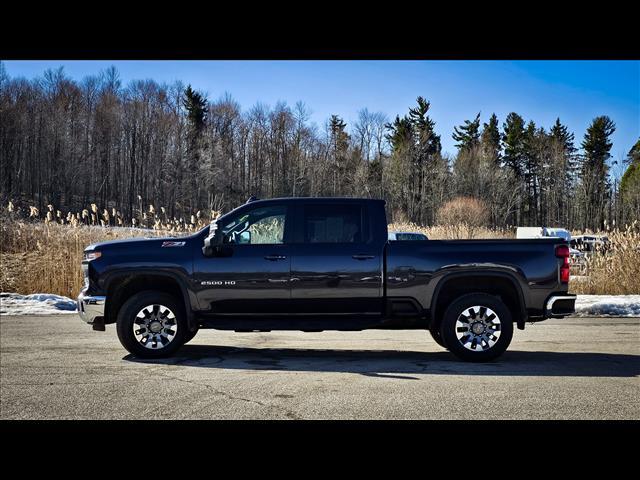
x: 119, y: 276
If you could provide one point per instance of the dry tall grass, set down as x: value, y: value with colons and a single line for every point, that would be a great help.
x: 144, y: 217
x: 615, y: 271
x: 454, y: 232
x: 40, y: 252
x: 45, y: 257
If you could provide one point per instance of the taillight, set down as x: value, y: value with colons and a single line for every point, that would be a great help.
x: 562, y: 251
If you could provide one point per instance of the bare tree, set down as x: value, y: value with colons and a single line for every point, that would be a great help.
x: 124, y: 147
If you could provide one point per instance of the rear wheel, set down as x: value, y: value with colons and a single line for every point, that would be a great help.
x: 477, y: 327
x: 151, y: 325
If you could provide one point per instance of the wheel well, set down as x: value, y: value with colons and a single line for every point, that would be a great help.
x: 121, y: 290
x: 492, y: 284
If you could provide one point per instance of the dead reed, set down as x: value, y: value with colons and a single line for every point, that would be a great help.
x: 42, y: 253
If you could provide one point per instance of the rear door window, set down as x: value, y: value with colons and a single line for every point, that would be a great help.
x: 334, y: 224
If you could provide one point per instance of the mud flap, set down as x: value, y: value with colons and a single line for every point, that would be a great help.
x: 98, y: 324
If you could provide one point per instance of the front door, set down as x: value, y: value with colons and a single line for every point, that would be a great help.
x: 251, y: 273
x: 336, y: 266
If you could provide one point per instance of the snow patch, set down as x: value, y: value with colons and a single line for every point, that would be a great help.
x: 47, y: 304
x: 35, y: 304
x: 608, y: 305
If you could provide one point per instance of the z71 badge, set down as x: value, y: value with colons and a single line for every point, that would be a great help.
x: 173, y: 244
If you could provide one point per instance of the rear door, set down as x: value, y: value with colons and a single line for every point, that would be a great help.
x: 336, y: 267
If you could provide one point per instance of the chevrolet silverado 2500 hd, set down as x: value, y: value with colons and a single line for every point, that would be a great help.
x: 316, y: 264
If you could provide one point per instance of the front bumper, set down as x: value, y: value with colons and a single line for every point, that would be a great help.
x: 560, y: 305
x: 91, y: 308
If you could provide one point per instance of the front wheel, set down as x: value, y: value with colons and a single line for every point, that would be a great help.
x: 151, y: 325
x: 477, y: 327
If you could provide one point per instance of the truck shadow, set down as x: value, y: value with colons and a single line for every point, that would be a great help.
x: 401, y: 364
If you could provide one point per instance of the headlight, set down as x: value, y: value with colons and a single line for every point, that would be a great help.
x: 91, y: 255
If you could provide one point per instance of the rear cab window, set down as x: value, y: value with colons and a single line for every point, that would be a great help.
x: 333, y: 223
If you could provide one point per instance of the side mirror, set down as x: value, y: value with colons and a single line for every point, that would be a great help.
x: 211, y: 240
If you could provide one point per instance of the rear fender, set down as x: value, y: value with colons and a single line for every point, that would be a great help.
x: 521, y: 307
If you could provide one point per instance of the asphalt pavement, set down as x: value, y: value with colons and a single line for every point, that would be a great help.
x: 56, y: 367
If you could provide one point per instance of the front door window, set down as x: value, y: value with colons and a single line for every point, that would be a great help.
x: 262, y: 226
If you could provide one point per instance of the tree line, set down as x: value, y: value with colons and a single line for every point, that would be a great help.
x: 71, y: 143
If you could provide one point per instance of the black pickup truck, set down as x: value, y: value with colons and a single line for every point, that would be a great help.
x: 316, y: 264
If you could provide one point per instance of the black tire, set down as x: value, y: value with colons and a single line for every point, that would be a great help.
x: 128, y: 314
x: 189, y: 335
x: 477, y: 350
x: 434, y: 330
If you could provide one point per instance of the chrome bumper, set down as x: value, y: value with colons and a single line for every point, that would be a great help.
x: 560, y: 305
x: 90, y: 308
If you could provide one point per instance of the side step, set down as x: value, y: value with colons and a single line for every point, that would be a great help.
x: 310, y: 324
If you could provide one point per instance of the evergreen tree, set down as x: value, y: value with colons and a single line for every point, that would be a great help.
x: 467, y: 164
x: 514, y: 146
x: 196, y: 106
x: 427, y: 141
x: 339, y: 137
x: 561, y: 172
x: 630, y: 185
x: 513, y: 140
x: 532, y: 159
x: 468, y: 134
x: 401, y: 133
x: 490, y: 140
x: 597, y: 144
x: 340, y: 152
x: 416, y: 161
x: 633, y: 157
x: 597, y: 147
x: 374, y: 177
x: 425, y: 162
x: 562, y: 134
x: 563, y: 139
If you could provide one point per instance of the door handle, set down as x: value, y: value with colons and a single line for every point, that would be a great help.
x: 273, y: 258
x: 363, y: 256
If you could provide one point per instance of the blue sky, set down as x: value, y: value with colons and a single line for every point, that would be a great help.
x: 576, y: 91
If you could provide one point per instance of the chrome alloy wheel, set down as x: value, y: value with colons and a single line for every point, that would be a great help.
x: 478, y: 328
x: 155, y: 326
